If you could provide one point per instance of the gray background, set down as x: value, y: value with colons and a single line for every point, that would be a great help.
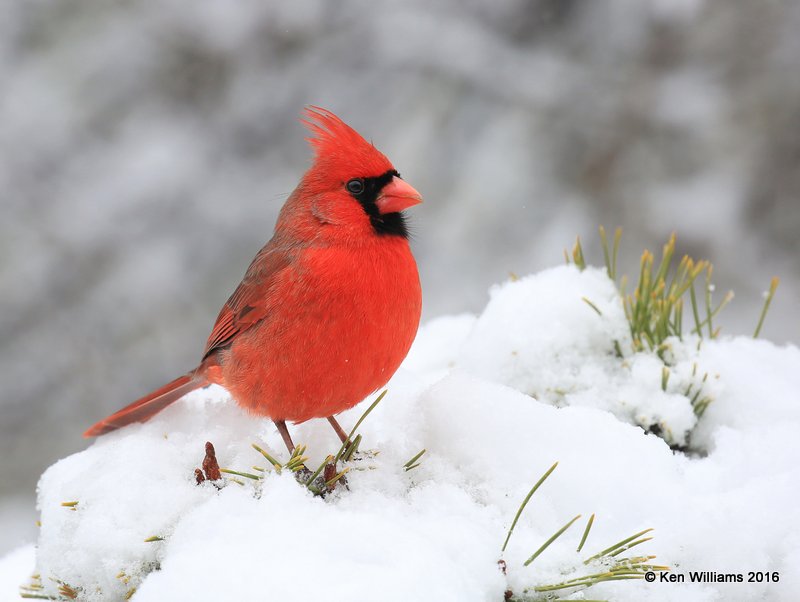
x: 146, y: 148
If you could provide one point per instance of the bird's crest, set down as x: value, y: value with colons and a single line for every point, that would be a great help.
x: 337, y: 145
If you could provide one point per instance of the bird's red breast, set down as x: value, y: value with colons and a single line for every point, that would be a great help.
x: 341, y: 320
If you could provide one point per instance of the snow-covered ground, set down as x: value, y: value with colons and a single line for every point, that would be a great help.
x: 495, y: 400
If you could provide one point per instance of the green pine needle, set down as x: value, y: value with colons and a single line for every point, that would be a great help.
x: 577, y: 255
x: 412, y: 463
x: 525, y: 503
x: 297, y: 460
x: 317, y: 472
x: 616, y: 546
x: 352, y: 449
x: 360, y: 420
x: 773, y: 286
x: 588, y: 528
x: 655, y: 307
x: 592, y: 305
x: 546, y: 544
x: 275, y: 464
x: 629, y: 546
x: 247, y: 475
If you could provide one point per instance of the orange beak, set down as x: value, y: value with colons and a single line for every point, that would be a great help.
x: 396, y: 196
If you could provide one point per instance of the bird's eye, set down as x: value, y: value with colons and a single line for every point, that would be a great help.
x: 355, y: 186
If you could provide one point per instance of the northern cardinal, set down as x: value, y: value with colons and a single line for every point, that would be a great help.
x: 328, y: 309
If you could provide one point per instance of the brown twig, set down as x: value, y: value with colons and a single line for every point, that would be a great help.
x: 210, y: 465
x: 328, y: 473
x: 508, y: 594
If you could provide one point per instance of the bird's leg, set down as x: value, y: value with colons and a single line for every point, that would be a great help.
x: 301, y: 473
x: 287, y: 439
x: 342, y: 435
x: 338, y: 429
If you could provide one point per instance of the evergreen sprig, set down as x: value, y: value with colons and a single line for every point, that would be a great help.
x: 608, y: 564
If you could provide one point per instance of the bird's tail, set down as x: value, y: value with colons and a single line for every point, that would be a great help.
x: 149, y: 405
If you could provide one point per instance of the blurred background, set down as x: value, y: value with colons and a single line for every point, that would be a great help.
x: 146, y: 148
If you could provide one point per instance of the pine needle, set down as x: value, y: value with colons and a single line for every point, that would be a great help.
x: 773, y: 286
x: 525, y: 503
x: 322, y: 466
x: 588, y: 528
x: 352, y: 449
x: 412, y: 463
x: 546, y: 544
x: 247, y: 475
x: 616, y: 546
x: 297, y: 460
x: 360, y: 420
x: 275, y: 464
x: 592, y: 305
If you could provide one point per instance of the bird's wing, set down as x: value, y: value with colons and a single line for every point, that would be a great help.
x: 249, y: 303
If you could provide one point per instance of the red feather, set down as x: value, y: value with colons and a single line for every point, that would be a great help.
x: 148, y: 406
x: 247, y: 305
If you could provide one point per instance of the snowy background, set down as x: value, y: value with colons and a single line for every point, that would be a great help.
x: 146, y: 149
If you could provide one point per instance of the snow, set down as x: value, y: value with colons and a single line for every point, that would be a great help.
x: 540, y: 336
x: 495, y: 400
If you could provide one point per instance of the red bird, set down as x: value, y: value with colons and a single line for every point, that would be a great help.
x: 328, y: 309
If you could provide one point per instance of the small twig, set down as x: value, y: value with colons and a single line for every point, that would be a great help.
x: 329, y: 472
x: 210, y: 465
x: 331, y: 483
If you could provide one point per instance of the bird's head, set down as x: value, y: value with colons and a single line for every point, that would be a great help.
x: 351, y: 185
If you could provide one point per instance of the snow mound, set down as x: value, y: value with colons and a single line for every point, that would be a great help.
x: 552, y: 335
x: 495, y: 400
